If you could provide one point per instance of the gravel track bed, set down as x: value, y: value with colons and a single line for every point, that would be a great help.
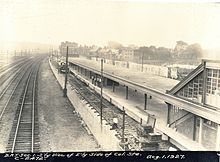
x: 7, y: 119
x: 61, y: 128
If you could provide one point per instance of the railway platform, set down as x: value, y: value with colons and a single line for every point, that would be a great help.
x: 134, y: 100
x: 160, y: 83
x: 155, y: 107
x: 192, y: 107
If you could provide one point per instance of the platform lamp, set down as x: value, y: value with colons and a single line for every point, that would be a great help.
x: 101, y: 90
x: 66, y: 72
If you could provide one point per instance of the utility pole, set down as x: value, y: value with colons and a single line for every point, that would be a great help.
x: 52, y: 53
x: 65, y: 90
x: 101, y: 90
x: 123, y: 126
x: 57, y: 61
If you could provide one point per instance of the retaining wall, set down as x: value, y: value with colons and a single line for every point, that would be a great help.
x: 106, y: 138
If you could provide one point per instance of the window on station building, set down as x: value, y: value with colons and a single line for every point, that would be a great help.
x: 193, y: 90
x: 213, y: 82
x: 213, y: 87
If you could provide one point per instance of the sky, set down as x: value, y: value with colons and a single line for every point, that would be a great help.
x: 99, y: 21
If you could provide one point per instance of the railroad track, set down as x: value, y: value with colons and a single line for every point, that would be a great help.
x: 8, y: 75
x: 4, y: 70
x: 24, y: 133
x: 7, y: 78
x: 9, y: 90
x: 109, y: 111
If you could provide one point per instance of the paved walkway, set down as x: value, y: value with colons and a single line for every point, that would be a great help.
x: 152, y: 81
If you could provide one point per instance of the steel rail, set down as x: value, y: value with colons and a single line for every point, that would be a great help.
x: 13, y: 90
x: 33, y: 110
x: 13, y: 79
x: 23, y: 136
x: 19, y: 117
x: 12, y: 65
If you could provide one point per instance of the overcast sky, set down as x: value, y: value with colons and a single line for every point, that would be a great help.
x: 97, y: 22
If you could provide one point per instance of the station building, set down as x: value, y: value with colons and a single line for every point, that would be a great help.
x: 72, y: 49
x: 201, y: 87
x: 196, y: 114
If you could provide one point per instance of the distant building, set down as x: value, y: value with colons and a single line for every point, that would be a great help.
x: 93, y: 51
x: 180, y: 46
x: 114, y: 54
x: 105, y: 53
x: 127, y: 54
x: 72, y: 49
x: 109, y: 53
x: 83, y: 50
